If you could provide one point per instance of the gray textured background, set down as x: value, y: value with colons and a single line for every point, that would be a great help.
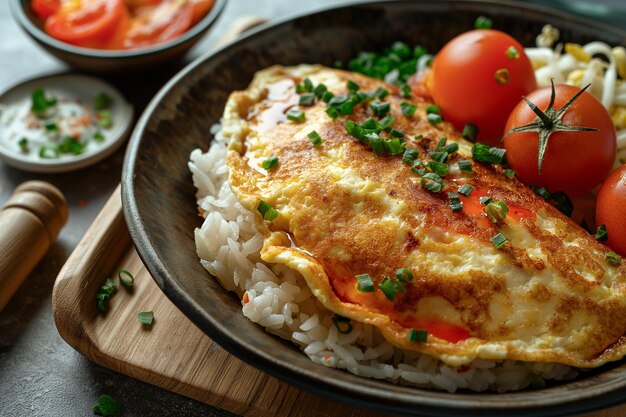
x: 40, y: 375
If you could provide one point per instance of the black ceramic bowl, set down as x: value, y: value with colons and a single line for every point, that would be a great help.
x: 106, y: 62
x: 159, y: 198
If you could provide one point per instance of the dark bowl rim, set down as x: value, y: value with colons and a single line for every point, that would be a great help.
x: 375, y: 398
x: 17, y: 8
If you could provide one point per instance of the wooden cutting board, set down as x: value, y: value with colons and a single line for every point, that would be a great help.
x: 174, y: 354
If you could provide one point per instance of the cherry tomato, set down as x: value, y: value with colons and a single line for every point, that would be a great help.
x: 45, y: 8
x: 478, y: 77
x: 87, y: 23
x: 133, y: 4
x: 611, y: 209
x: 155, y: 25
x: 200, y: 9
x: 574, y: 162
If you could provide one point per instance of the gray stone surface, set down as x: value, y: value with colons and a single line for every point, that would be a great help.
x: 40, y: 375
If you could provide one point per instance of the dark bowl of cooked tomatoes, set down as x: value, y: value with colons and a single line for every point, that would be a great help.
x: 114, y: 36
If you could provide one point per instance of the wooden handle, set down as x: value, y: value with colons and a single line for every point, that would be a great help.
x: 30, y: 221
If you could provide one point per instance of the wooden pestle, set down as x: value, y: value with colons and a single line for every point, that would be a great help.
x: 29, y: 222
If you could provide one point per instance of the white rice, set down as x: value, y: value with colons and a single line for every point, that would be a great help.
x: 228, y: 245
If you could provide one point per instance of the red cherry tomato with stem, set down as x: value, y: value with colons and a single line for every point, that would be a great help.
x: 478, y: 77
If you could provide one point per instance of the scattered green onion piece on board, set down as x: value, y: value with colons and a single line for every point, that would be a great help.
x: 484, y: 153
x: 306, y: 99
x: 483, y: 22
x: 126, y: 279
x: 499, y: 240
x: 612, y: 258
x: 601, y: 234
x: 466, y: 189
x: 408, y: 109
x: 417, y: 335
x: 146, y: 318
x: 270, y: 163
x: 101, y: 102
x: 106, y: 406
x: 410, y: 155
x: 497, y: 211
x: 465, y: 166
x: 512, y: 52
x: 432, y: 182
x: 485, y: 200
x: 103, y: 295
x: 364, y: 283
x: 342, y: 324
x: 267, y: 211
x: 470, y: 131
x: 296, y: 115
x: 380, y: 108
x: 388, y: 288
x: 434, y: 119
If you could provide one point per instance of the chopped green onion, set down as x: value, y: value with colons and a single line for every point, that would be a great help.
x: 346, y: 108
x: 48, y: 152
x: 484, y: 153
x: 381, y: 93
x: 432, y: 182
x: 394, y: 146
x: 23, y: 144
x: 51, y: 127
x: 386, y: 122
x: 380, y: 108
x: 146, y: 318
x: 105, y: 292
x: 439, y: 156
x: 434, y: 119
x: 396, y: 134
x: 612, y: 258
x: 451, y: 148
x: 497, y: 211
x: 332, y: 112
x: 267, y: 211
x: 537, y: 382
x: 470, y: 131
x: 126, y: 283
x: 104, y: 119
x: 455, y: 201
x: 408, y: 109
x: 509, y: 173
x: 270, y: 163
x: 465, y: 166
x: 98, y: 137
x: 499, y: 240
x: 405, y: 91
x: 364, y: 283
x: 320, y: 90
x: 512, y: 52
x: 404, y: 275
x: 327, y: 96
x: 342, y: 324
x: 352, y: 86
x: 418, y: 168
x: 308, y: 85
x: 377, y: 144
x: 71, y: 145
x: 601, y: 234
x: 296, y: 115
x: 440, y: 145
x: 483, y: 22
x: 438, y: 168
x: 106, y: 406
x: 410, y: 155
x: 417, y: 335
x: 502, y: 76
x: 307, y: 99
x: 40, y: 103
x: 418, y: 137
x: 388, y: 288
x: 315, y: 138
x: 101, y: 102
x: 485, y: 200
x: 466, y: 189
x: 433, y: 109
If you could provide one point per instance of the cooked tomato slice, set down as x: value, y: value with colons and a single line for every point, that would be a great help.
x: 45, y: 8
x: 88, y: 23
x: 155, y: 25
x: 200, y: 9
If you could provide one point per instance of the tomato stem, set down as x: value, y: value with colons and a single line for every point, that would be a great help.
x: 549, y: 121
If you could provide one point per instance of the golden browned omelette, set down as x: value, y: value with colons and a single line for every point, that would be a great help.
x: 400, y: 240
